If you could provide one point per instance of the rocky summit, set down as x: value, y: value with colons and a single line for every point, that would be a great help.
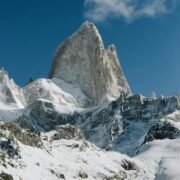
x: 82, y: 60
x: 83, y: 122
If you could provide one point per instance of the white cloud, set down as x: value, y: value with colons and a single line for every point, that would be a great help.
x: 101, y: 10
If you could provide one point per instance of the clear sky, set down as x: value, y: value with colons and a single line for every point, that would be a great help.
x: 146, y: 35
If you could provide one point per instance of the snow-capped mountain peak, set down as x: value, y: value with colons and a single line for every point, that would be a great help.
x: 10, y: 93
x: 84, y: 123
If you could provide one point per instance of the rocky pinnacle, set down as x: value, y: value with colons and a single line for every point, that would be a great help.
x: 82, y: 60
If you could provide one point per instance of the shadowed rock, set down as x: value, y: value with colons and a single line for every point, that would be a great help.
x: 162, y: 130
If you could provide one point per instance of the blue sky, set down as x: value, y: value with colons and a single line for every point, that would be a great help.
x: 146, y: 35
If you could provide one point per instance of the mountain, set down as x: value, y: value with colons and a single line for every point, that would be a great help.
x: 84, y: 122
x: 10, y: 92
x: 82, y: 60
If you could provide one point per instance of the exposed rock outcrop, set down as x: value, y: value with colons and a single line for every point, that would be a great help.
x: 10, y: 93
x: 16, y: 132
x: 162, y: 130
x: 42, y: 116
x: 82, y: 60
x: 67, y: 132
x: 137, y: 107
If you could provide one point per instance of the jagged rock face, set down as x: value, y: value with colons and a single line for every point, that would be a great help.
x: 42, y: 116
x: 10, y: 93
x: 105, y: 126
x: 67, y: 132
x: 162, y: 130
x: 82, y: 60
x: 137, y: 107
x: 101, y: 125
x: 22, y: 135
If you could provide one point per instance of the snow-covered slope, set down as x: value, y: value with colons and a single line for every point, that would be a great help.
x: 162, y: 156
x: 56, y: 91
x: 50, y: 157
